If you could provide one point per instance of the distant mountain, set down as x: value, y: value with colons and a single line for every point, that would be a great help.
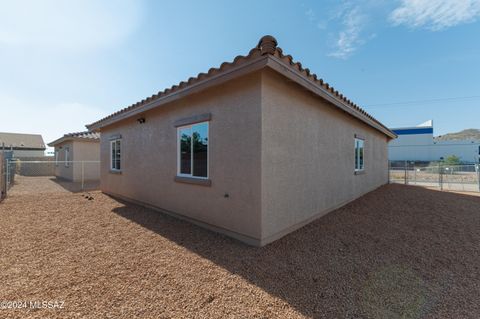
x: 469, y: 134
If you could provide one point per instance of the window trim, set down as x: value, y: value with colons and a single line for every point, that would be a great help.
x: 113, y: 142
x: 66, y: 152
x: 183, y: 175
x: 359, y: 169
x: 205, y: 117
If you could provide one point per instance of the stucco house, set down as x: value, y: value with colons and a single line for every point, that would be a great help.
x: 77, y: 155
x: 253, y: 149
x: 23, y: 145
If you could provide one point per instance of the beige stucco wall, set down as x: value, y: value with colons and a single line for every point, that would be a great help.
x: 86, y: 151
x: 308, y: 157
x: 62, y: 171
x: 149, y: 159
x: 283, y: 155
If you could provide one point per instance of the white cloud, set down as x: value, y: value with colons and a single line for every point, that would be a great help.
x: 322, y: 25
x: 73, y: 24
x: 50, y: 120
x: 310, y: 15
x: 349, y: 38
x: 435, y: 15
x: 349, y: 20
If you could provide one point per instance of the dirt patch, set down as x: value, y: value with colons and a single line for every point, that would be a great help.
x: 398, y: 252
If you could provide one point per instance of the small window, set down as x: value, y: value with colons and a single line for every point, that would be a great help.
x: 56, y: 158
x: 115, y: 157
x: 67, y: 157
x: 359, y: 154
x: 192, y: 155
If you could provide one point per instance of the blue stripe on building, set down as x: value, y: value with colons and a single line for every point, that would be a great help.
x: 411, y: 131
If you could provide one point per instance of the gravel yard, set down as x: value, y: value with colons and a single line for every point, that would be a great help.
x: 27, y: 185
x: 398, y: 252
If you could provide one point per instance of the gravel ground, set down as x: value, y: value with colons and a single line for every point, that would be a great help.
x: 27, y: 185
x: 398, y: 252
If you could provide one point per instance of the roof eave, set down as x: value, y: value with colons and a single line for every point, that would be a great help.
x: 72, y: 138
x: 243, y: 69
x: 23, y: 148
x: 57, y: 141
x: 290, y: 73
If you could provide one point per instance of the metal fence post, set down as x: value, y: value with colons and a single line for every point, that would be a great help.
x: 405, y: 175
x: 440, y: 175
x: 7, y: 176
x: 389, y: 169
x: 4, y: 175
x: 414, y: 174
x: 83, y: 169
x: 478, y: 176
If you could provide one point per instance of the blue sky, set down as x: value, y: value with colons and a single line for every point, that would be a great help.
x: 68, y: 63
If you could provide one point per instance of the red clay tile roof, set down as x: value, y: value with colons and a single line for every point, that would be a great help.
x: 266, y: 46
x: 87, y: 135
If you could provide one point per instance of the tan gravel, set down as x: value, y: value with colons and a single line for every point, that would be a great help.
x: 27, y: 185
x: 398, y: 252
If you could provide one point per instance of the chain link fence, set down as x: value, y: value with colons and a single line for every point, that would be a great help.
x: 49, y: 176
x: 464, y: 177
x: 3, y: 178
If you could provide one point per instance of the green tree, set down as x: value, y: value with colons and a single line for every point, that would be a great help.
x: 452, y: 160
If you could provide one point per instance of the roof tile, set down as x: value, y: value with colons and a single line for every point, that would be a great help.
x: 86, y: 135
x: 266, y: 45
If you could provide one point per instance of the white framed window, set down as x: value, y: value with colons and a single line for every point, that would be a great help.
x: 115, y: 155
x: 192, y: 150
x: 359, y: 154
x: 67, y: 156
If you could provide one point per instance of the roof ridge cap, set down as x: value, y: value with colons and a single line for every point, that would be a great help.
x: 267, y: 44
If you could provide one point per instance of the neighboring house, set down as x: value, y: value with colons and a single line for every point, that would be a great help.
x: 73, y: 149
x: 254, y: 149
x: 23, y: 145
x: 418, y: 144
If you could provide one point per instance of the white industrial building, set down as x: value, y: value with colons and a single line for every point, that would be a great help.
x: 417, y: 144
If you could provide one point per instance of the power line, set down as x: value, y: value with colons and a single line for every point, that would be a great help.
x: 447, y: 99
